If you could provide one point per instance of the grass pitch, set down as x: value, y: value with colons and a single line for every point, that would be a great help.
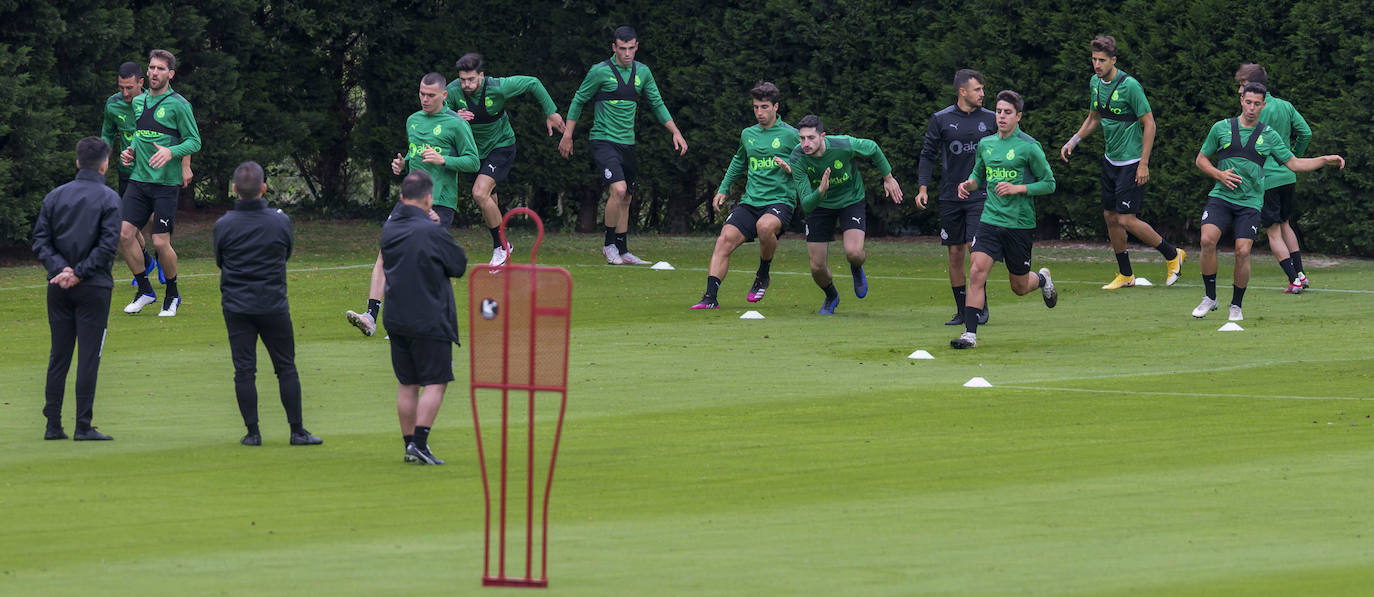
x: 1125, y: 448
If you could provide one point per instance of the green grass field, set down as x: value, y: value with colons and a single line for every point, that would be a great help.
x: 1125, y: 448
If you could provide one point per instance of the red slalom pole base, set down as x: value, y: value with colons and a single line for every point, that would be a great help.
x: 501, y: 581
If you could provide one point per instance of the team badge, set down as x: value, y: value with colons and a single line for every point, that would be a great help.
x: 1259, y: 141
x: 608, y: 174
x: 944, y: 235
x: 438, y: 128
x: 1116, y: 95
x: 776, y: 144
x: 488, y: 102
x: 161, y: 112
x: 1011, y: 154
x: 982, y: 127
x: 839, y: 164
x: 637, y: 83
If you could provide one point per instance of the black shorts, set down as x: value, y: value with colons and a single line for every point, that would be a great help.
x: 445, y: 215
x: 958, y: 221
x: 614, y: 162
x: 820, y: 224
x: 123, y: 183
x: 1278, y: 205
x: 421, y: 361
x: 1120, y: 193
x: 746, y: 217
x: 143, y: 199
x: 1240, y: 221
x: 1010, y: 244
x: 497, y: 163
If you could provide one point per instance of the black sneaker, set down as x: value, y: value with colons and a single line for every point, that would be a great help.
x: 88, y: 435
x: 756, y: 291
x: 54, y: 433
x: 305, y: 439
x: 422, y: 456
x: 958, y: 319
x: 252, y: 439
x: 983, y: 316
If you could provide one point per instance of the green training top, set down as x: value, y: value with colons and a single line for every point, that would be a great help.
x: 846, y: 185
x: 1125, y: 141
x: 1250, y: 191
x: 450, y: 135
x: 118, y: 130
x: 615, y: 118
x: 171, y: 112
x: 1009, y: 160
x: 492, y: 95
x: 1281, y: 116
x: 765, y: 182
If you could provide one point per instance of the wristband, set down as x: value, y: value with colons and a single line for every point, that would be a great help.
x: 1074, y: 140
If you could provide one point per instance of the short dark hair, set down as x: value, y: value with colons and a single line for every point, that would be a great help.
x: 415, y: 185
x: 1252, y: 73
x: 1253, y: 87
x: 472, y: 61
x: 165, y: 56
x: 433, y: 79
x: 91, y: 153
x: 249, y: 180
x: 811, y: 121
x: 130, y: 69
x: 765, y: 91
x: 625, y: 33
x: 1011, y: 97
x: 962, y: 77
x: 1105, y: 44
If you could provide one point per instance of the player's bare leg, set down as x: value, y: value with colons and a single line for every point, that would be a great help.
x: 366, y: 322
x: 816, y: 254
x: 853, y: 241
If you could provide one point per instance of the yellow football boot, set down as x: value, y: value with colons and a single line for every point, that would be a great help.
x: 1173, y: 268
x: 1120, y: 281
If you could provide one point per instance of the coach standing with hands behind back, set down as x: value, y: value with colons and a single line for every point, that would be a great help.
x: 75, y: 237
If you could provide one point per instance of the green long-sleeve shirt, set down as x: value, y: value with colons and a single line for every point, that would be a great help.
x: 492, y: 95
x: 765, y: 182
x: 1009, y: 159
x: 173, y: 112
x: 117, y: 129
x: 615, y: 119
x: 1285, y: 120
x: 447, y: 133
x: 846, y: 185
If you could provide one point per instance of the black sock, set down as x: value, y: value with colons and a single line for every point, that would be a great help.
x: 495, y: 236
x: 959, y: 293
x: 1209, y: 281
x: 1289, y: 270
x: 712, y: 286
x: 764, y: 264
x: 971, y: 319
x: 144, y: 286
x: 610, y: 236
x: 406, y: 440
x: 373, y: 307
x: 1166, y: 249
x: 1123, y: 263
x: 1237, y: 295
x: 1297, y: 260
x: 253, y: 429
x: 147, y: 260
x: 830, y: 292
x: 421, y: 437
x: 620, y: 243
x: 1040, y: 279
x: 172, y: 287
x: 297, y: 427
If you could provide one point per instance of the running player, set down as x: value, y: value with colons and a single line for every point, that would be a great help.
x: 165, y: 130
x: 1280, y: 182
x: 816, y: 165
x: 766, y: 207
x: 615, y: 86
x: 1006, y: 230
x: 441, y: 144
x: 481, y: 100
x: 1240, y: 145
x: 951, y: 135
x: 1129, y: 131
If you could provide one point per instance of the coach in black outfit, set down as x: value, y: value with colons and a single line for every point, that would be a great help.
x: 252, y: 244
x: 419, y: 258
x: 75, y: 237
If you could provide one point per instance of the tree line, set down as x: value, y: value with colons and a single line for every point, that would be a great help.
x: 319, y: 91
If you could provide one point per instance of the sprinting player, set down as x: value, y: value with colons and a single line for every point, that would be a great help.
x: 481, y: 100
x: 615, y: 86
x: 1129, y: 133
x: 441, y: 144
x: 831, y: 190
x: 252, y: 244
x: 1279, y: 182
x: 419, y: 258
x: 951, y: 136
x: 766, y: 207
x: 1006, y: 230
x: 75, y: 237
x: 1240, y: 145
x: 165, y: 131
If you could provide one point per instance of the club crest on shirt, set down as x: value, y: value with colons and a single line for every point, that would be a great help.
x: 839, y: 164
x: 776, y: 144
x: 1011, y: 154
x: 438, y: 128
x: 982, y: 127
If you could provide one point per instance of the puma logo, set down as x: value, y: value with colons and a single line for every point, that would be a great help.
x: 856, y: 220
x: 164, y: 222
